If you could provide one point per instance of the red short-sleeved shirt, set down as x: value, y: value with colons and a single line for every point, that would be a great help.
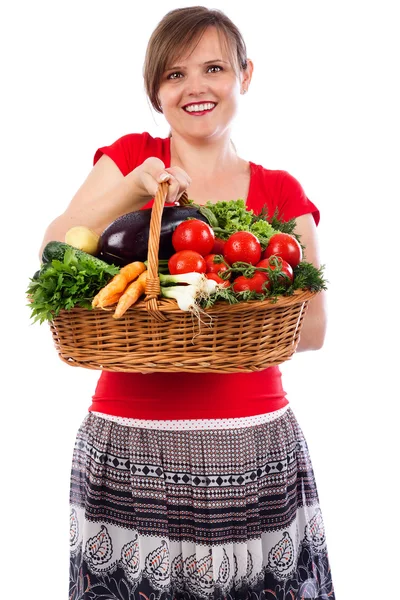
x: 199, y: 395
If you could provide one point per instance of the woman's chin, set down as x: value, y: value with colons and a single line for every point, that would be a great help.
x: 200, y: 132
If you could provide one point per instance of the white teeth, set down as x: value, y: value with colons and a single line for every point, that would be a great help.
x: 199, y: 107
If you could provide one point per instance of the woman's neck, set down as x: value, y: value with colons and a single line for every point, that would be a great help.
x: 205, y: 159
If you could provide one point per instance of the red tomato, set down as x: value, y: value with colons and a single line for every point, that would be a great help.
x: 218, y: 246
x: 255, y: 283
x: 224, y: 282
x: 242, y: 246
x: 286, y: 246
x: 265, y: 263
x: 215, y: 267
x: 186, y: 261
x: 193, y: 235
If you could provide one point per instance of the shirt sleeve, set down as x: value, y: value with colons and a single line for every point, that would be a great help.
x: 124, y: 152
x: 293, y: 200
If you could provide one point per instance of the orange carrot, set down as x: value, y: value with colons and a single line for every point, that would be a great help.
x: 118, y: 283
x: 131, y: 295
x: 110, y: 300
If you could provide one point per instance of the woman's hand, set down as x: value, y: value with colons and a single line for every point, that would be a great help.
x: 107, y: 194
x: 152, y: 172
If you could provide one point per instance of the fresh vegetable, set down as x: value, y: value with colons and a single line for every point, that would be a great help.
x: 110, y: 300
x: 218, y: 247
x: 63, y: 284
x: 126, y: 239
x: 56, y: 251
x: 118, y: 284
x: 188, y: 296
x: 131, y: 295
x: 191, y: 278
x: 286, y: 278
x: 242, y: 246
x: 186, y: 261
x: 215, y: 277
x: 193, y: 235
x: 83, y: 238
x: 286, y: 246
x: 258, y: 282
x: 307, y: 277
x: 228, y: 217
x: 215, y: 263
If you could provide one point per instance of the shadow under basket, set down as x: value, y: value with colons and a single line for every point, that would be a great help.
x: 243, y: 337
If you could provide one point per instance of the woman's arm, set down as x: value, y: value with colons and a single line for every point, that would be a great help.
x: 314, y: 324
x: 107, y: 194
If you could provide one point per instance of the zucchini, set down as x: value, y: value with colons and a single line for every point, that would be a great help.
x: 56, y: 251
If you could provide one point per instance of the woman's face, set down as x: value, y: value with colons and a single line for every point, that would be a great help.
x: 199, y: 93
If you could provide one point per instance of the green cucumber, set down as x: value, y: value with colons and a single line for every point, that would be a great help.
x: 42, y: 270
x: 56, y: 251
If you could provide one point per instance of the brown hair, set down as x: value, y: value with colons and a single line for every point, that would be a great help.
x: 179, y: 31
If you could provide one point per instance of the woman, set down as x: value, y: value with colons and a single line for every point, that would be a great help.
x: 194, y: 485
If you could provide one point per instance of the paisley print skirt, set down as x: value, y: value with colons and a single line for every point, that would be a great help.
x: 197, y: 509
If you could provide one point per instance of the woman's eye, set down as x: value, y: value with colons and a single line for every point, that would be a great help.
x: 176, y: 75
x: 215, y: 68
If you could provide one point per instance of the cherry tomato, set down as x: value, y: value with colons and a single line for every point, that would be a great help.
x: 242, y: 246
x: 224, y: 282
x: 218, y: 246
x: 257, y: 283
x: 193, y: 235
x: 215, y: 267
x: 265, y: 263
x: 186, y: 261
x: 286, y: 246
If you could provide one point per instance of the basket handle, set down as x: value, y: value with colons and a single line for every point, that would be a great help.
x: 153, y: 289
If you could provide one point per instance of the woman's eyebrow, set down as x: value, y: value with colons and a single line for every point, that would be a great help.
x: 208, y: 62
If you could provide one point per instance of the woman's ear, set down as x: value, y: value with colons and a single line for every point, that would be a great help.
x: 247, y: 75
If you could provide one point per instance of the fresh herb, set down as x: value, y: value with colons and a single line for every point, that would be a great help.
x: 65, y: 284
x: 278, y: 224
x: 306, y: 276
x: 227, y: 217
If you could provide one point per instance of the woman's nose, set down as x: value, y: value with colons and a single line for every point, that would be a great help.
x: 196, y: 85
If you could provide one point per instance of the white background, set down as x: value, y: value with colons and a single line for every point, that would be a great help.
x: 324, y: 106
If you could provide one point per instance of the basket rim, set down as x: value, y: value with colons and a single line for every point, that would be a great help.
x: 170, y: 306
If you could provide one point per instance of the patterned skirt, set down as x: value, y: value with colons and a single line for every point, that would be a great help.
x: 196, y: 509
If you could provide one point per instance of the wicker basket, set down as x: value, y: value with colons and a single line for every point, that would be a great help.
x: 154, y: 335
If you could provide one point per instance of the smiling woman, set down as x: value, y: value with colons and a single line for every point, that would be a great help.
x: 205, y: 84
x: 194, y: 485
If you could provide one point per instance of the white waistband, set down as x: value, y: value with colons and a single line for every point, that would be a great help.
x: 191, y: 424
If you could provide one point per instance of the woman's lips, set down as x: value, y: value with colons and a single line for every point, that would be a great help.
x: 199, y: 109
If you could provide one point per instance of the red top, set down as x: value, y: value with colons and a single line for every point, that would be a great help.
x: 199, y: 395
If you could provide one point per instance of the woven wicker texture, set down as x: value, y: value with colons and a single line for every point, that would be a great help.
x: 154, y: 335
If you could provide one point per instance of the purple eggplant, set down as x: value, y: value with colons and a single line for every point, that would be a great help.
x: 126, y: 239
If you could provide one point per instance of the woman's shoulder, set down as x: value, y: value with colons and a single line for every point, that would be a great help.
x: 144, y: 138
x: 272, y: 182
x: 265, y: 175
x: 131, y: 149
x: 281, y: 192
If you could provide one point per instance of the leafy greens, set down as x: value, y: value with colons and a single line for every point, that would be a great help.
x: 226, y: 217
x: 65, y: 284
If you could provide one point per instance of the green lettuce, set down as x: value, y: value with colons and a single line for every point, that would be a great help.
x: 226, y: 217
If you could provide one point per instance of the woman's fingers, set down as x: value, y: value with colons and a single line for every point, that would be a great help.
x: 178, y: 183
x: 153, y: 172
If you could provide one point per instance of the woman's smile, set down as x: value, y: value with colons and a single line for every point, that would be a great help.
x: 198, y: 109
